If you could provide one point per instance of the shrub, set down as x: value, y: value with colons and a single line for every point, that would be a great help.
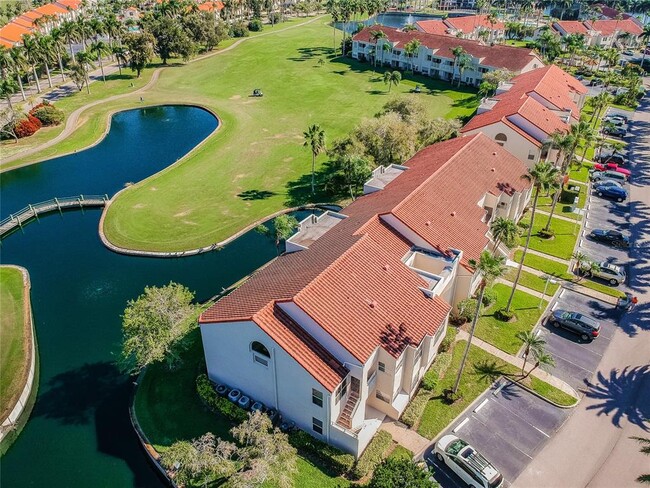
x: 445, y: 344
x: 27, y: 126
x: 275, y: 18
x: 504, y: 315
x: 430, y: 380
x: 255, y: 25
x: 373, y: 454
x: 216, y: 403
x: 489, y: 297
x: 466, y: 310
x: 523, y: 225
x: 327, y: 456
x: 415, y: 408
x: 48, y: 114
x: 441, y: 364
x: 239, y: 29
x: 568, y: 196
x: 546, y: 234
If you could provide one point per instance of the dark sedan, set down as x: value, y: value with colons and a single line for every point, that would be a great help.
x: 610, y: 158
x: 612, y: 237
x: 586, y: 327
x: 615, y: 131
x: 613, y: 192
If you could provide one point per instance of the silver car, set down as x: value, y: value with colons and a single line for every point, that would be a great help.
x: 614, y: 275
x: 467, y: 463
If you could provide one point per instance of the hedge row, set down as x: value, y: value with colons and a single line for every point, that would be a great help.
x: 217, y: 403
x: 416, y: 407
x: 373, y: 455
x: 329, y: 457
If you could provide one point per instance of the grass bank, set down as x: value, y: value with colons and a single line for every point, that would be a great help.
x: 15, y: 343
x: 561, y: 245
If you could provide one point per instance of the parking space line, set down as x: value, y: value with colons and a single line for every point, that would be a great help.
x: 459, y: 426
x: 481, y: 405
x: 542, y: 432
x: 506, y: 440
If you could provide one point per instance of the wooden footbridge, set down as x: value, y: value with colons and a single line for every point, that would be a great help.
x: 32, y: 211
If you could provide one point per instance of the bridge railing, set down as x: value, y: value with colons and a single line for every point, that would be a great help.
x: 52, y: 202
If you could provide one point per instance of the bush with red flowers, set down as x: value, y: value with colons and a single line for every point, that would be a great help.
x: 27, y: 126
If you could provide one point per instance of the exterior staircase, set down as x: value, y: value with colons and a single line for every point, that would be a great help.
x: 345, y: 417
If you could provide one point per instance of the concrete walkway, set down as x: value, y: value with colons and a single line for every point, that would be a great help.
x: 404, y: 436
x: 515, y: 361
x: 559, y: 217
x: 547, y: 256
x: 525, y: 289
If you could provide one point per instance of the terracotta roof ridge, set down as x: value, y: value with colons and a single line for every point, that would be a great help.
x: 430, y: 177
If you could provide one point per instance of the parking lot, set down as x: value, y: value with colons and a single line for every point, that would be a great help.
x: 577, y: 360
x: 508, y: 425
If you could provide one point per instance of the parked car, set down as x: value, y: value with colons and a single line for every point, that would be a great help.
x: 616, y: 116
x: 608, y: 175
x: 611, y: 158
x: 612, y: 274
x: 629, y: 52
x: 615, y: 131
x: 596, y: 82
x: 586, y: 327
x: 607, y: 183
x: 615, y: 120
x: 467, y: 463
x: 613, y: 192
x: 612, y: 237
x: 611, y: 167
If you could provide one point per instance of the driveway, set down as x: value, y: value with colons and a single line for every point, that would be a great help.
x: 577, y: 360
x: 508, y: 425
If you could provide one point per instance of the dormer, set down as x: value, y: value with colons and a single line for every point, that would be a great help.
x: 311, y: 229
x: 381, y: 176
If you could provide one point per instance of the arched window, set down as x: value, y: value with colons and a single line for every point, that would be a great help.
x: 501, y: 138
x: 260, y: 348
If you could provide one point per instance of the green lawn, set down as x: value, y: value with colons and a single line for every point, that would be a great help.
x: 400, y: 452
x: 13, y: 349
x: 503, y: 334
x: 561, y: 246
x: 565, y: 210
x: 561, y: 271
x: 516, y: 43
x: 481, y: 370
x: 168, y: 409
x: 581, y: 172
x: 260, y: 144
x: 532, y: 281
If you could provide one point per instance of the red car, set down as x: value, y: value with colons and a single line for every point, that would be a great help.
x: 612, y: 167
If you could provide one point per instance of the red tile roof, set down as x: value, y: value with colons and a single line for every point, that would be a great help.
x: 433, y: 27
x: 13, y: 32
x: 23, y: 22
x: 308, y: 352
x: 72, y: 4
x: 571, y: 27
x: 609, y: 27
x: 7, y: 44
x: 498, y: 56
x: 211, y: 6
x: 51, y: 9
x: 352, y: 280
x: 470, y: 23
x: 610, y: 12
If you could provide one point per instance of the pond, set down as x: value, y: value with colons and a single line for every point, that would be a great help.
x: 79, y: 433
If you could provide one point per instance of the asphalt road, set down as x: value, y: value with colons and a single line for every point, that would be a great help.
x: 593, y: 448
x: 508, y: 425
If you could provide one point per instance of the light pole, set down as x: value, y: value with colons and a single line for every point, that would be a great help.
x: 548, y: 280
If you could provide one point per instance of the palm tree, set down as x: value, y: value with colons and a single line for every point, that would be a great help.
x: 532, y: 342
x: 580, y: 258
x: 376, y: 36
x: 70, y: 31
x: 645, y: 37
x: 32, y: 54
x: 99, y: 48
x: 315, y: 140
x: 392, y: 78
x: 464, y: 62
x: 84, y: 62
x: 46, y: 53
x: 544, y: 177
x: 58, y: 46
x: 19, y: 64
x: 587, y: 140
x: 385, y: 48
x: 645, y: 449
x: 411, y: 49
x: 7, y: 88
x: 599, y: 103
x: 542, y: 357
x: 504, y: 230
x: 490, y: 267
x: 120, y: 54
x: 456, y: 51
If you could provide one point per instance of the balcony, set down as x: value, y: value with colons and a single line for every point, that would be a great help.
x: 311, y: 229
x: 381, y: 176
x: 436, y: 269
x: 486, y: 105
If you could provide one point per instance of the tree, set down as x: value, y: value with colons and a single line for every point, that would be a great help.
x: 542, y: 357
x: 504, y: 230
x: 84, y: 63
x: 349, y: 172
x: 7, y: 88
x: 645, y: 449
x: 498, y: 76
x: 435, y: 130
x: 315, y: 141
x: 171, y: 39
x: 645, y: 38
x: 411, y: 49
x: 564, y: 142
x: 544, y: 177
x: 486, y: 89
x: 46, y: 54
x: 588, y: 138
x: 376, y: 36
x: 410, y: 109
x: 78, y: 75
x: 581, y: 260
x: 121, y: 56
x: 388, y: 139
x: 400, y: 473
x: 13, y: 60
x: 154, y: 324
x: 533, y: 345
x: 8, y: 120
x: 599, y: 103
x: 59, y: 47
x: 70, y: 32
x: 464, y: 62
x: 392, y: 78
x: 141, y: 50
x: 100, y: 48
x: 32, y: 54
x: 490, y: 267
x: 456, y: 51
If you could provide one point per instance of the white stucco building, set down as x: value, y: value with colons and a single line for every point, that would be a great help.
x: 338, y: 332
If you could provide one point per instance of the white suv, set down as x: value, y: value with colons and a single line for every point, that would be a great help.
x: 467, y: 463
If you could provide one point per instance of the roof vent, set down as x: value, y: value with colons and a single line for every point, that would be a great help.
x: 453, y: 214
x: 494, y: 153
x: 493, y: 170
x: 372, y: 304
x: 386, y: 267
x: 427, y: 223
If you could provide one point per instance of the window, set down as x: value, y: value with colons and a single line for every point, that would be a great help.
x: 317, y: 425
x: 501, y: 139
x: 317, y: 397
x: 362, y: 45
x: 382, y: 367
x: 437, y: 60
x: 260, y: 353
x: 428, y: 57
x: 341, y: 390
x: 531, y: 155
x: 260, y: 348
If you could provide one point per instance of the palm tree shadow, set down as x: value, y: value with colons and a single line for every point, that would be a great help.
x: 619, y: 395
x: 489, y: 370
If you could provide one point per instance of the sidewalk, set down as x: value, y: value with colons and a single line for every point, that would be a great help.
x: 515, y: 361
x: 404, y: 436
x: 559, y: 217
x: 547, y: 256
